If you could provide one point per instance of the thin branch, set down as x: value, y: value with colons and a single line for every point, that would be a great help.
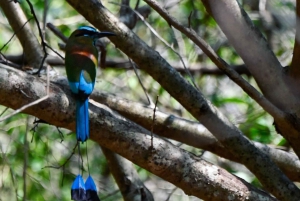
x: 168, y: 198
x: 126, y: 177
x: 294, y: 70
x: 57, y: 32
x: 63, y: 58
x: 221, y: 64
x: 110, y: 194
x: 150, y: 102
x: 166, y: 44
x: 66, y: 161
x: 268, y: 73
x: 252, y: 47
x: 15, y: 34
x: 22, y: 29
x: 4, y: 111
x: 41, y: 36
x: 153, y: 121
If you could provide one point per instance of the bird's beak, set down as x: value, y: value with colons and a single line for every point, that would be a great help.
x: 104, y: 34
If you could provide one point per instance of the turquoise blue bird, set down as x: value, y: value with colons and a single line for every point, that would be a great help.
x: 81, y: 61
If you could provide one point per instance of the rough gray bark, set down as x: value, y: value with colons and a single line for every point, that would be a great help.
x: 227, y: 134
x: 191, y: 133
x: 192, y: 174
x: 253, y: 49
x: 279, y: 87
x: 18, y: 22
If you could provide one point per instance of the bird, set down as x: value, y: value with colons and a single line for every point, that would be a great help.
x: 81, y: 61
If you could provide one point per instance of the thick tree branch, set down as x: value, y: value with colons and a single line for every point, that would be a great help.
x: 149, y: 60
x: 263, y: 65
x: 191, y: 133
x: 254, y: 50
x: 279, y: 116
x: 127, y: 16
x: 18, y: 22
x: 126, y: 138
x: 127, y: 178
x: 294, y: 70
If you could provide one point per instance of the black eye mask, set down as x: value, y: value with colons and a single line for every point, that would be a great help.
x: 86, y: 33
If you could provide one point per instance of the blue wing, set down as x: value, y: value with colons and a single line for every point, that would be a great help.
x: 82, y: 86
x: 83, y: 89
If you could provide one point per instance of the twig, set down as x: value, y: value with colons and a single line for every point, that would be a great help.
x: 4, y: 111
x: 41, y: 36
x: 110, y: 194
x: 57, y: 32
x: 61, y: 134
x: 220, y: 63
x: 173, y: 191
x: 137, y: 75
x: 63, y: 58
x: 33, y: 129
x: 153, y: 122
x: 67, y: 160
x: 15, y: 34
x: 164, y: 41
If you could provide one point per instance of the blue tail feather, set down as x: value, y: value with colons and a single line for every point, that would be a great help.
x: 91, y: 190
x: 78, y: 191
x: 82, y: 120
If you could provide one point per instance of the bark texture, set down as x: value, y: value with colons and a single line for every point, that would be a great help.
x: 18, y: 22
x: 273, y: 81
x: 191, y: 133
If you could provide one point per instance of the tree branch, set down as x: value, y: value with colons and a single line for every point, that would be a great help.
x: 294, y: 70
x: 29, y: 42
x: 191, y: 133
x: 120, y: 63
x: 255, y: 52
x: 126, y: 138
x: 263, y: 65
x: 150, y: 60
x: 125, y: 175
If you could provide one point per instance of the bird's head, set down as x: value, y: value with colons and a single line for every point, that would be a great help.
x: 90, y: 33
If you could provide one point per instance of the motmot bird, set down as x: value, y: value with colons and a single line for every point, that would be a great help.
x: 81, y: 61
